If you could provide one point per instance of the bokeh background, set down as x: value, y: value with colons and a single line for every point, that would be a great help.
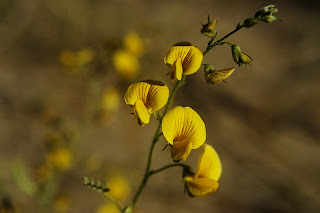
x: 66, y: 64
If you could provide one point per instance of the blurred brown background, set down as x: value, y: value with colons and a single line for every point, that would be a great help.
x: 264, y: 123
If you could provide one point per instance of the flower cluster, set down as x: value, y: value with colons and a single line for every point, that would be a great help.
x: 182, y: 127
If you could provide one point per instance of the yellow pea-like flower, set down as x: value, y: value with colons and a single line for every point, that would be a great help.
x: 184, y: 130
x: 146, y: 97
x: 184, y: 59
x: 205, y: 180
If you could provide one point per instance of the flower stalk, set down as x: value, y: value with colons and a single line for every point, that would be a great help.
x: 210, y: 45
x: 155, y: 139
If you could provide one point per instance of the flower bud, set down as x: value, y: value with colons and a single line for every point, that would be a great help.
x: 266, y: 14
x: 208, y: 29
x: 216, y: 76
x: 249, y: 22
x: 208, y: 68
x: 269, y: 19
x: 239, y: 57
x: 264, y: 10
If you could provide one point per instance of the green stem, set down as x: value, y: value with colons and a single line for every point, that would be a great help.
x: 154, y: 141
x: 209, y: 47
x: 166, y: 167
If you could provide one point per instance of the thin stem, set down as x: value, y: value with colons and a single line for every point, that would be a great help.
x: 209, y: 47
x: 166, y: 167
x: 154, y: 141
x: 113, y: 201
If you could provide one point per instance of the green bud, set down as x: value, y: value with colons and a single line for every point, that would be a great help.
x: 266, y: 9
x: 269, y: 19
x: 208, y: 68
x: 266, y: 14
x: 249, y: 22
x: 239, y: 57
x: 208, y: 29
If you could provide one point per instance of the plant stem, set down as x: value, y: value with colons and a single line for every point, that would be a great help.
x: 209, y: 47
x: 166, y: 167
x: 156, y: 137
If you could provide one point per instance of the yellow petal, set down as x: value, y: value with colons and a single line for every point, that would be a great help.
x: 200, y: 186
x: 141, y: 112
x: 176, y: 71
x: 158, y: 95
x: 146, y: 97
x: 190, y: 56
x: 192, y: 61
x: 137, y: 91
x: 209, y: 165
x: 182, y: 123
x: 180, y: 150
x: 176, y: 52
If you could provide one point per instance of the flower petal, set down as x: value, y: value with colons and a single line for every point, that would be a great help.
x: 180, y: 150
x: 176, y: 52
x: 158, y: 95
x: 141, y: 112
x: 209, y: 165
x: 137, y: 91
x: 176, y: 70
x: 192, y: 61
x: 200, y: 186
x: 182, y: 123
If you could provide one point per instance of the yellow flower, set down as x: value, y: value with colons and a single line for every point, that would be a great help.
x: 183, y: 59
x: 126, y: 64
x: 205, y: 180
x: 146, y: 97
x: 133, y: 44
x: 119, y: 188
x: 184, y: 130
x: 60, y: 159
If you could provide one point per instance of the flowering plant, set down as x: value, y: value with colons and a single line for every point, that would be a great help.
x: 182, y: 127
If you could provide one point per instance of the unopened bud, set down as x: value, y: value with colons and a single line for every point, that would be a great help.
x: 249, y: 22
x: 266, y: 14
x: 264, y: 10
x: 239, y: 57
x: 269, y: 19
x: 216, y: 76
x: 208, y: 29
x: 208, y: 68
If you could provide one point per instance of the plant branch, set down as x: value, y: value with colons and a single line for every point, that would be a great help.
x: 209, y: 47
x: 152, y: 172
x: 154, y: 141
